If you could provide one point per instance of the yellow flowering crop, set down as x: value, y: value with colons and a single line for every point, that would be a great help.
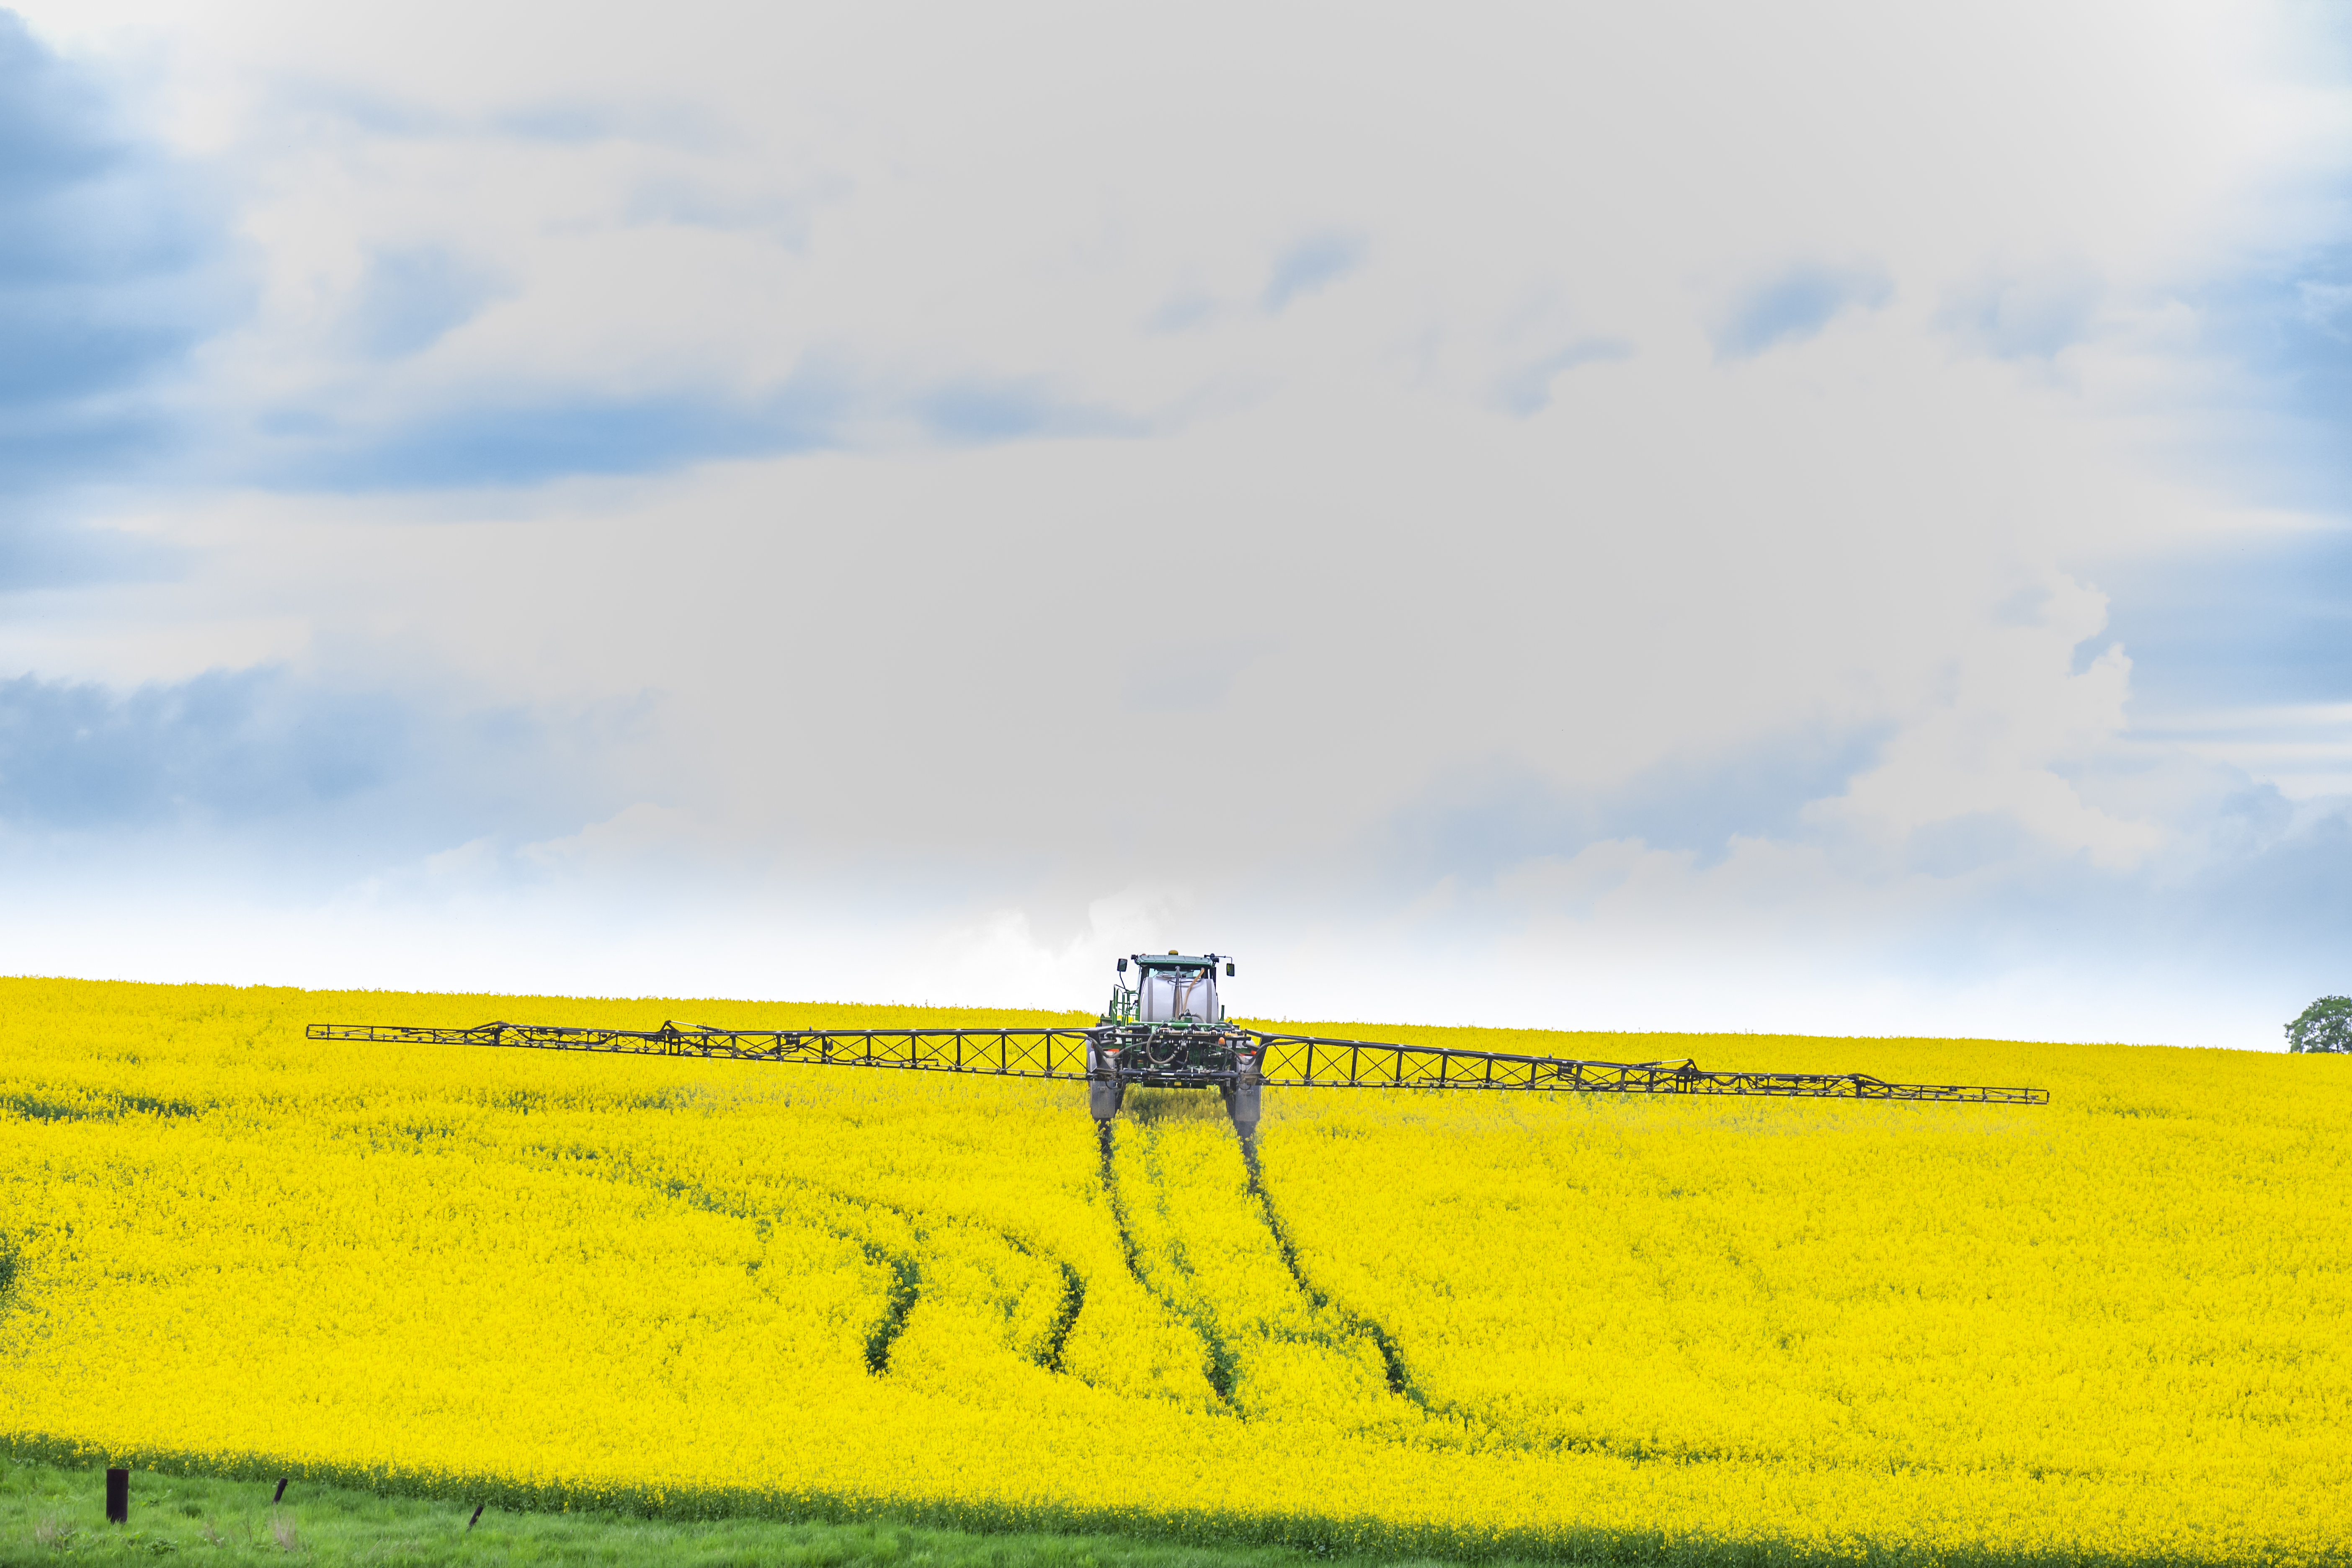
x: 2112, y: 1328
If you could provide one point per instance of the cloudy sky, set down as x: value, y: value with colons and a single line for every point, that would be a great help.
x: 1826, y: 517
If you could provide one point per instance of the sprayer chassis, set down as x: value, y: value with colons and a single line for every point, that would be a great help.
x: 1174, y: 1055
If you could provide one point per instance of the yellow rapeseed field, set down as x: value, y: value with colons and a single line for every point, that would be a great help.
x: 2114, y: 1328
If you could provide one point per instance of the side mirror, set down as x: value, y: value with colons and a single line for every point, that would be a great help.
x: 1122, y: 967
x: 1228, y: 970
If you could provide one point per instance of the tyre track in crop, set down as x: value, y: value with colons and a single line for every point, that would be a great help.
x: 1072, y: 1302
x: 906, y: 1285
x: 1317, y: 1325
x: 78, y: 1104
x: 1071, y: 1299
x: 906, y: 1267
x: 1471, y: 1427
x: 1477, y: 1426
x: 1400, y: 1379
x: 1223, y: 1363
x: 1217, y: 1356
x: 903, y: 1267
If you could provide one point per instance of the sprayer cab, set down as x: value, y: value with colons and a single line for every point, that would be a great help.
x: 1170, y: 988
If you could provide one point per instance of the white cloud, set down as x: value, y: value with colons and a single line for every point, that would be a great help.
x: 1996, y: 746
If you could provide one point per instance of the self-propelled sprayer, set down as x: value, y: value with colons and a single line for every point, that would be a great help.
x: 1169, y: 1029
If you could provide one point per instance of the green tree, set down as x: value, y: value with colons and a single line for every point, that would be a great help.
x: 2325, y: 1026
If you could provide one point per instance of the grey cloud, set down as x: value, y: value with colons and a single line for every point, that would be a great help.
x: 1526, y: 388
x: 2028, y: 314
x: 1183, y: 676
x: 1183, y: 312
x: 574, y: 122
x: 2249, y: 620
x: 2257, y: 896
x: 563, y: 122
x: 978, y: 410
x: 510, y: 436
x: 2325, y: 308
x: 1313, y: 263
x: 1479, y: 822
x: 2271, y: 896
x: 579, y: 120
x: 1974, y: 841
x: 520, y: 436
x: 411, y: 298
x: 54, y: 123
x: 787, y: 220
x: 114, y: 261
x: 2288, y: 329
x: 2293, y: 886
x: 46, y: 553
x: 227, y: 745
x: 316, y: 783
x: 1794, y: 304
x: 2028, y: 606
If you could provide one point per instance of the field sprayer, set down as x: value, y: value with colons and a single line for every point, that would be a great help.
x: 1169, y: 1030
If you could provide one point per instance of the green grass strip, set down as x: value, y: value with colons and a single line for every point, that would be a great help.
x: 53, y: 1512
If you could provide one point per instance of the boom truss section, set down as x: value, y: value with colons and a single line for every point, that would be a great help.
x: 1006, y: 1053
x: 1314, y: 1061
x: 1224, y: 1057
